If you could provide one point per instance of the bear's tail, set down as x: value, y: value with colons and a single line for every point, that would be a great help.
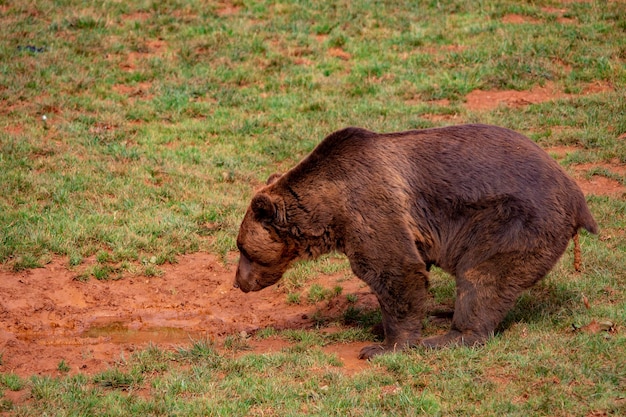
x: 587, y: 222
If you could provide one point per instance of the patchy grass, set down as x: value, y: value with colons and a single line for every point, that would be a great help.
x: 526, y: 373
x: 133, y: 132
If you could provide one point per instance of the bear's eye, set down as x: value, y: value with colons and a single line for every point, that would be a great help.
x: 243, y: 252
x: 253, y: 259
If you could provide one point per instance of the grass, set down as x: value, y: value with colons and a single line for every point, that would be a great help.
x: 516, y: 377
x: 161, y: 119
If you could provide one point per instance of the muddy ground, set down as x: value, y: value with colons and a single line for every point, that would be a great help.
x: 47, y: 315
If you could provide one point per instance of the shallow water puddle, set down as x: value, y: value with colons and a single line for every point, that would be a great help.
x: 119, y: 332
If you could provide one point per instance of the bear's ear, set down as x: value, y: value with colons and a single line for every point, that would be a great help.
x: 273, y: 178
x: 265, y: 209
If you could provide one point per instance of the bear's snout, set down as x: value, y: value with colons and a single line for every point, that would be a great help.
x: 242, y: 277
x: 246, y: 286
x: 240, y: 283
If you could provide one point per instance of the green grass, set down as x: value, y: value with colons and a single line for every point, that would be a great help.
x: 519, y: 376
x: 161, y: 118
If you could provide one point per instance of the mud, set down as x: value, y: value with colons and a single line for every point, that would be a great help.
x: 47, y: 316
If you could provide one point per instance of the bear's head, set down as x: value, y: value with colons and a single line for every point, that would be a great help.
x: 264, y: 254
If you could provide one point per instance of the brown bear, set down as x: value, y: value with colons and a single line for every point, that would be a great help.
x: 484, y: 203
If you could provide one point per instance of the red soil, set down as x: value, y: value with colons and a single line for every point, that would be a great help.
x: 47, y: 316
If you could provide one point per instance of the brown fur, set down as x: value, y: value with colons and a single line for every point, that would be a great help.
x: 484, y: 203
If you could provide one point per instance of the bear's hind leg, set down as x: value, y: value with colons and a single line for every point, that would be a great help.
x: 486, y: 293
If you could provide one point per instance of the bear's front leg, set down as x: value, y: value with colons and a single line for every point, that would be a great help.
x: 401, y: 300
x: 400, y: 334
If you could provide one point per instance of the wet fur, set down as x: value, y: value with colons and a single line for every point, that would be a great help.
x: 483, y: 203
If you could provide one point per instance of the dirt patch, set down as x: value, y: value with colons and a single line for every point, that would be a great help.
x: 47, y: 316
x: 136, y: 91
x: 597, y: 87
x: 483, y: 100
x: 558, y: 13
x: 519, y: 19
x: 600, y: 179
x: 14, y: 129
x: 339, y: 53
x: 149, y: 49
x: 225, y: 10
x: 599, y: 185
x: 594, y: 178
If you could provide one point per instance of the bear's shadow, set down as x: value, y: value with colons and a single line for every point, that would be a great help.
x: 544, y: 300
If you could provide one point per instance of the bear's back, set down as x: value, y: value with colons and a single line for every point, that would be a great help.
x: 467, y: 160
x: 449, y: 167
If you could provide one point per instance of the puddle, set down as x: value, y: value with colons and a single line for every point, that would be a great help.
x: 118, y: 332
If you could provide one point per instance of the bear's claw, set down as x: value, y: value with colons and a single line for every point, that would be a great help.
x: 368, y: 352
